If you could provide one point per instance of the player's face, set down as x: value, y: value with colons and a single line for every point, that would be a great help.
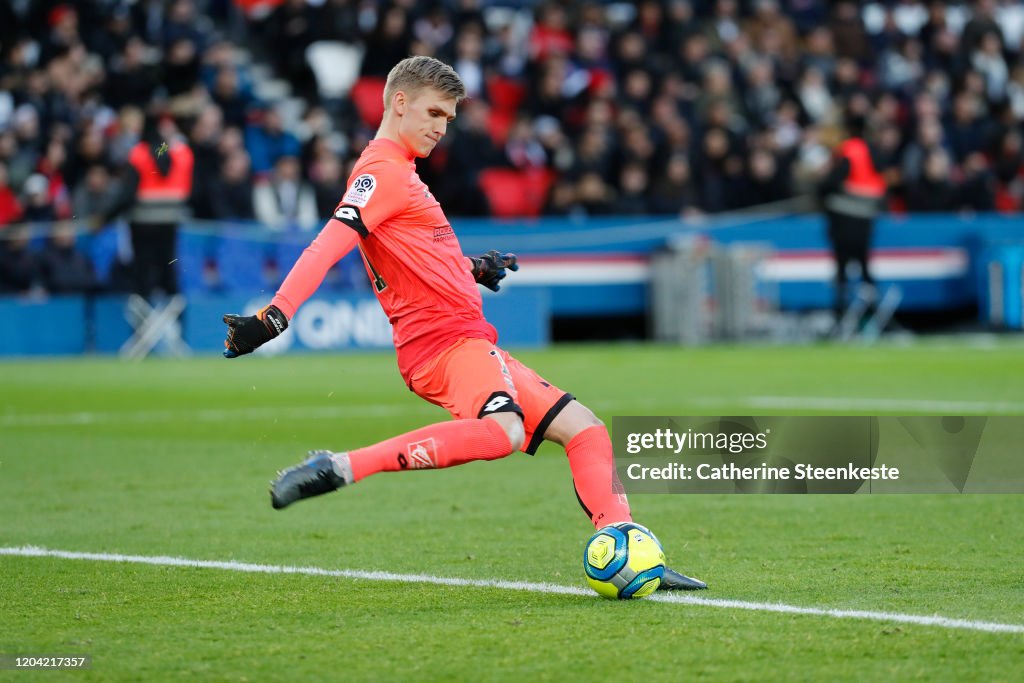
x: 425, y: 120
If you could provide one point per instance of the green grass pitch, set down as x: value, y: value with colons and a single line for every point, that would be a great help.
x: 172, y: 458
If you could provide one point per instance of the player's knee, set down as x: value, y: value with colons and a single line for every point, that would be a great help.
x: 573, y: 419
x: 585, y: 422
x: 513, y: 426
x: 587, y: 418
x: 581, y: 418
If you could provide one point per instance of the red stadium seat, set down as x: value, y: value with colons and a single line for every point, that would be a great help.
x: 499, y: 123
x: 505, y: 94
x: 538, y: 184
x: 1005, y: 200
x: 514, y: 194
x: 368, y: 96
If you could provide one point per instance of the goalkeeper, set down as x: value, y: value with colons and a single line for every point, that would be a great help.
x: 446, y: 350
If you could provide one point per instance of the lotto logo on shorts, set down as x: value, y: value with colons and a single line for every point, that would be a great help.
x: 496, y: 403
x: 423, y: 455
x: 499, y: 402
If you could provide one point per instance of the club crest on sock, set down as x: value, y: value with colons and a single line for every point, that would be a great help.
x: 423, y: 454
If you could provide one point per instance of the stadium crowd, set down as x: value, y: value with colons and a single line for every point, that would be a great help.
x: 659, y: 107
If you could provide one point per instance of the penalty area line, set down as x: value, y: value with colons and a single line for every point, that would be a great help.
x: 551, y: 588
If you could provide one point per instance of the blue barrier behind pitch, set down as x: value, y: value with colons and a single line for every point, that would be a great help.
x: 77, y: 324
x: 598, y: 266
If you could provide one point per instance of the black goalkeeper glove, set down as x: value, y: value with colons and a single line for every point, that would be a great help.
x: 246, y: 333
x: 489, y: 269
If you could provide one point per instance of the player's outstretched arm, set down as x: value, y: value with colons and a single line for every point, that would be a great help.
x: 489, y: 269
x: 246, y: 333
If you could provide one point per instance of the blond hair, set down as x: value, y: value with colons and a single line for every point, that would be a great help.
x: 414, y: 73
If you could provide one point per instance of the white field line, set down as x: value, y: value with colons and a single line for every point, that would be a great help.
x: 632, y: 407
x: 933, y: 406
x: 213, y: 414
x: 675, y: 598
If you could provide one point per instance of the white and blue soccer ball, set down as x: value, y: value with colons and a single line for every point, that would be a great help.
x: 624, y: 561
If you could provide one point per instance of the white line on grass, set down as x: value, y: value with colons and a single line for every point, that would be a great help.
x: 676, y: 598
x: 932, y: 406
x: 371, y: 410
x: 212, y: 414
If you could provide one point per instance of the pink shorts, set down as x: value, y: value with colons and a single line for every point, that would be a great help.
x: 473, y: 378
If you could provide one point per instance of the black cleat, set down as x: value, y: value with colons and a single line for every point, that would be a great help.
x: 322, y: 472
x: 674, y: 581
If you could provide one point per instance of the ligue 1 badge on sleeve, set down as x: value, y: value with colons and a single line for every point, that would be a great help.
x: 360, y: 191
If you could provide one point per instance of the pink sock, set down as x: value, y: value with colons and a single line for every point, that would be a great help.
x: 593, y: 473
x: 444, y: 444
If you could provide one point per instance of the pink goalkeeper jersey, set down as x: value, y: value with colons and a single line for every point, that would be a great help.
x: 414, y: 261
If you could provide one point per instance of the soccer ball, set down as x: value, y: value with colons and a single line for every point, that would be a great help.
x: 624, y: 561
